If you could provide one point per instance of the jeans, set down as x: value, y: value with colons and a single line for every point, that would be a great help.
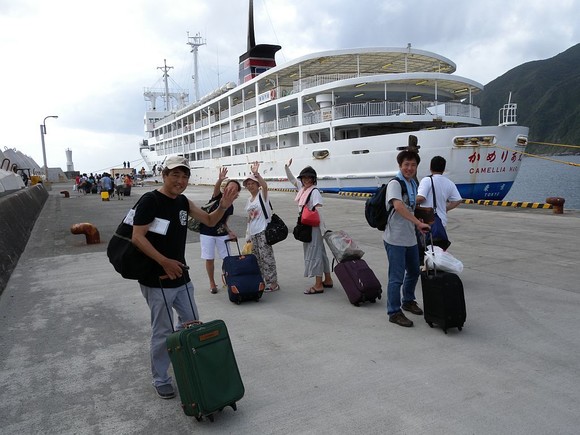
x: 403, y: 271
x: 161, y: 324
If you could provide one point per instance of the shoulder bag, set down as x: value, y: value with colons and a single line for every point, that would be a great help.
x: 303, y: 232
x: 125, y: 257
x: 195, y: 225
x: 276, y: 230
x: 425, y: 214
x: 438, y: 231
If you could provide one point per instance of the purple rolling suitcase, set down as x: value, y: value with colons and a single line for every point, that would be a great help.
x: 359, y: 281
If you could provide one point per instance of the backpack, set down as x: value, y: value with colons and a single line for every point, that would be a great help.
x: 376, y: 214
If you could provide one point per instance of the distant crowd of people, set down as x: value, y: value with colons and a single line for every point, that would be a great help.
x: 120, y: 184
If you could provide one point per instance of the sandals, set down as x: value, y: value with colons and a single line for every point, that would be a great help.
x: 213, y: 290
x: 327, y: 285
x: 313, y: 291
x: 270, y: 289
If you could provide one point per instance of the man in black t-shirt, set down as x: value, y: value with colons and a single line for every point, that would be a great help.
x: 160, y: 231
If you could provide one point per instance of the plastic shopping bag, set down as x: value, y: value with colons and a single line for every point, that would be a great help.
x: 247, y: 249
x: 438, y: 259
x: 343, y: 247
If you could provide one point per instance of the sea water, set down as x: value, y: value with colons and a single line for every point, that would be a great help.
x: 539, y: 179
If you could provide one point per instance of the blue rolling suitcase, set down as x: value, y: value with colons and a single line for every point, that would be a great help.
x: 242, y: 276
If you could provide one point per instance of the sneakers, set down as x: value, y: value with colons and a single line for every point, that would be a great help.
x: 400, y: 319
x: 412, y: 307
x: 165, y: 391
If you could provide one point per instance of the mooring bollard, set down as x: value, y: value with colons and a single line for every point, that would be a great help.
x: 89, y: 230
x: 65, y: 193
x: 557, y: 203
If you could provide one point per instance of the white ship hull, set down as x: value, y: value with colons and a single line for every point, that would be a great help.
x: 480, y: 172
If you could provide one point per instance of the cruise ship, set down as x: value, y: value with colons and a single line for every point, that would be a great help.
x: 347, y: 113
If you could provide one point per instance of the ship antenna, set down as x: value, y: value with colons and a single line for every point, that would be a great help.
x: 251, y: 37
x: 195, y: 42
x: 165, y: 69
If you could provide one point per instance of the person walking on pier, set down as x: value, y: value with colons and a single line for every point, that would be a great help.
x: 400, y: 241
x: 160, y: 231
x: 316, y: 262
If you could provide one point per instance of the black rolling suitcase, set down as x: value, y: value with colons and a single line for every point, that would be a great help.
x: 242, y: 276
x: 443, y: 299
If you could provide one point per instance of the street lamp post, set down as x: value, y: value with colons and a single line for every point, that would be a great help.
x: 42, y: 133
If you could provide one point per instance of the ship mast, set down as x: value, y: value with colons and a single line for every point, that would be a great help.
x: 165, y: 69
x: 195, y: 42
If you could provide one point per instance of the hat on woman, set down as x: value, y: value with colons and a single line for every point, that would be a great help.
x: 308, y: 171
x: 250, y: 177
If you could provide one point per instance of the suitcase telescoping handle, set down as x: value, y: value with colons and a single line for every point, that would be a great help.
x: 432, y: 250
x: 228, y: 246
x: 186, y: 324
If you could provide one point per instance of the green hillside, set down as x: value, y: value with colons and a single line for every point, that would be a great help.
x: 547, y: 93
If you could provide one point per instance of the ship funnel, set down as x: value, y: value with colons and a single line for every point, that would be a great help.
x: 259, y: 58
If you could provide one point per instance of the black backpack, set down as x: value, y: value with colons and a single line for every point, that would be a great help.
x: 376, y: 214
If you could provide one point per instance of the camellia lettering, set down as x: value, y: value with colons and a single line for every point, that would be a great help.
x: 488, y: 170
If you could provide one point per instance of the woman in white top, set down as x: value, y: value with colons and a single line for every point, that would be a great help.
x: 256, y: 229
x: 315, y: 259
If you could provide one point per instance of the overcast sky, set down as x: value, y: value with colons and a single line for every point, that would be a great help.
x: 88, y: 61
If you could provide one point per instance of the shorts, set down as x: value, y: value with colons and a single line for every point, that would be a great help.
x: 209, y: 245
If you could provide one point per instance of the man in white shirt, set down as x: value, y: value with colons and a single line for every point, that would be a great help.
x: 447, y: 195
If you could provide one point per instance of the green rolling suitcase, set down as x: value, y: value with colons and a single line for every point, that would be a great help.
x: 205, y: 368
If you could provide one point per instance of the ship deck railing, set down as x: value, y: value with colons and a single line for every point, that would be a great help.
x: 398, y: 112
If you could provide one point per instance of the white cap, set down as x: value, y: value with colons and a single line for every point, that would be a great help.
x: 176, y: 161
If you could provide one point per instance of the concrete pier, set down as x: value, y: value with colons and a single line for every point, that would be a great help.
x: 74, y: 336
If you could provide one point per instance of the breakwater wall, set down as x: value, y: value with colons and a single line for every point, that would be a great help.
x: 18, y: 213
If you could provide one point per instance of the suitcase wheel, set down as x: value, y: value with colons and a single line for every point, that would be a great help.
x: 210, y: 417
x: 198, y: 418
x: 234, y: 406
x: 430, y: 324
x: 374, y: 301
x: 460, y: 327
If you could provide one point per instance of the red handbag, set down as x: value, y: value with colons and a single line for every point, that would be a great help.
x: 310, y: 217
